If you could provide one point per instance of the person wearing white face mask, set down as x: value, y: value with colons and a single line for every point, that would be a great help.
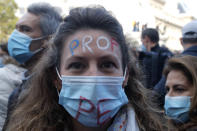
x: 181, y: 98
x: 87, y: 81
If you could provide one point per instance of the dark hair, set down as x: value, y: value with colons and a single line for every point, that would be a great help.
x: 152, y: 34
x: 49, y: 17
x: 38, y: 107
x: 188, y: 66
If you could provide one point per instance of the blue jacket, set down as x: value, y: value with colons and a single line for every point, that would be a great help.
x: 191, y: 51
x: 160, y: 86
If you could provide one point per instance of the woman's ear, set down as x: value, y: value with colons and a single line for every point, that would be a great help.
x: 126, y: 77
x: 58, y: 84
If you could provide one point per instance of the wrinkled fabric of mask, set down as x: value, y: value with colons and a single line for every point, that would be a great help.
x: 87, y: 97
x: 177, y: 107
x: 18, y: 46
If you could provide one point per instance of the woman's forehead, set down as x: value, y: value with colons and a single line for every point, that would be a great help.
x: 177, y: 77
x: 91, y: 41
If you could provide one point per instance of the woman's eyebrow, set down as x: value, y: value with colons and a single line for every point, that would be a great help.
x: 75, y: 58
x: 111, y: 57
x: 178, y: 85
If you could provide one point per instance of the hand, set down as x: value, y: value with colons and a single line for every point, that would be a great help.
x: 148, y: 47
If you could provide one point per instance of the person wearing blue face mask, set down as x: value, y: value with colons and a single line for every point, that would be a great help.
x: 181, y: 98
x: 188, y: 41
x: 87, y: 81
x: 19, y: 46
x: 29, y: 39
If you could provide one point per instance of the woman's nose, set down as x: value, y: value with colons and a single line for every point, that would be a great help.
x: 170, y: 93
x: 93, y: 70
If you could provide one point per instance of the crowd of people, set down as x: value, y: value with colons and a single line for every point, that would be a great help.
x: 78, y: 73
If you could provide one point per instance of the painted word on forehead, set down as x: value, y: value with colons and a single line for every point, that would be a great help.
x: 87, y: 40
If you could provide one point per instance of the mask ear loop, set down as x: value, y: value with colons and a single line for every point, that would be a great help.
x: 36, y: 39
x: 59, y: 78
x: 38, y: 50
x: 125, y: 72
x: 58, y: 73
x: 40, y: 38
x: 124, y: 77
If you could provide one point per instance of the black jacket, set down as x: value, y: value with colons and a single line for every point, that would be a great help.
x: 152, y: 64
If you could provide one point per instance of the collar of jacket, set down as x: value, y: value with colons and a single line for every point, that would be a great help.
x: 191, y: 51
x: 155, y: 48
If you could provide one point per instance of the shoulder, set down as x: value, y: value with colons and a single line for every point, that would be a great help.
x: 165, y: 51
x: 14, y: 68
x: 190, y: 51
x: 10, y: 76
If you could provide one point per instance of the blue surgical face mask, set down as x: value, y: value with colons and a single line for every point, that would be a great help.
x: 177, y: 108
x: 92, y: 100
x: 18, y: 46
x: 143, y: 47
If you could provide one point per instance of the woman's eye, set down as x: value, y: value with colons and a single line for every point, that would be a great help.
x: 167, y: 89
x: 24, y: 29
x: 107, y: 65
x: 76, y: 66
x: 179, y: 89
